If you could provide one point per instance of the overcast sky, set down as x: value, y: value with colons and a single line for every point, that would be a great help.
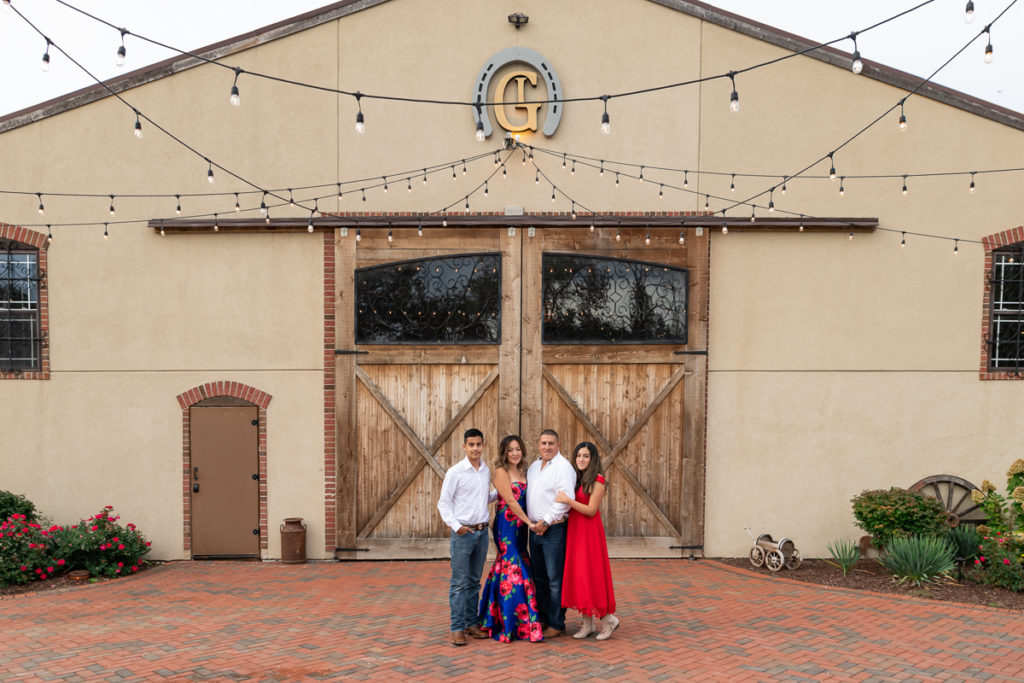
x: 918, y: 43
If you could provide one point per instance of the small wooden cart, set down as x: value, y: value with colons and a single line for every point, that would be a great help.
x: 774, y: 554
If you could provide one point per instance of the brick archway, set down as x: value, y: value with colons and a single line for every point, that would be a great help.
x: 38, y: 241
x: 222, y: 389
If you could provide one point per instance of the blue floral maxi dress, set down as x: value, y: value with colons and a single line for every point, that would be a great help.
x: 508, y: 605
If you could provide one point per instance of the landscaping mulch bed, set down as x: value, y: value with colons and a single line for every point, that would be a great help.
x: 868, y: 574
x: 64, y: 582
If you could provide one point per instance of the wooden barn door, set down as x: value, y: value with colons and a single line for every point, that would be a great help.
x: 641, y: 402
x: 402, y: 408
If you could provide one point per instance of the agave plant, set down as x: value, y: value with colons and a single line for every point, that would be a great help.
x: 918, y: 559
x: 844, y: 553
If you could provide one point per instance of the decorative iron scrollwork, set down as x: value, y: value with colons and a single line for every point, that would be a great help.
x: 596, y: 300
x: 438, y: 300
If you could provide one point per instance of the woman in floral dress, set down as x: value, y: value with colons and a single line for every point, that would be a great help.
x: 508, y: 605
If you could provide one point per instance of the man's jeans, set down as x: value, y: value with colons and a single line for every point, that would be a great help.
x: 547, y: 559
x: 468, y: 555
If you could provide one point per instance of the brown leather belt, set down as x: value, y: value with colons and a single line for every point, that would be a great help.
x: 476, y: 527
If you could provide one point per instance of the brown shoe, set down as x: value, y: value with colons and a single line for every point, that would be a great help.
x: 551, y: 632
x: 458, y: 638
x: 476, y: 632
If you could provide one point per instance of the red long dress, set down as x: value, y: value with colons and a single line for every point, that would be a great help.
x: 587, y: 580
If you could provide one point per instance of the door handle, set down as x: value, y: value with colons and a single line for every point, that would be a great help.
x: 195, y: 473
x: 195, y: 488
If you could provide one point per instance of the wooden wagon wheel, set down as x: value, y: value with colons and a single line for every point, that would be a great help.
x: 757, y: 556
x: 794, y: 560
x: 775, y: 560
x: 955, y: 495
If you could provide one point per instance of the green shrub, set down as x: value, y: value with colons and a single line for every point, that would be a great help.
x: 24, y: 552
x: 16, y: 504
x: 844, y: 553
x: 1002, y: 561
x: 100, y: 545
x: 918, y: 559
x: 897, y: 512
x: 965, y: 541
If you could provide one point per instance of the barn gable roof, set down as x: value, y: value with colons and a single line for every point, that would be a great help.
x: 700, y: 10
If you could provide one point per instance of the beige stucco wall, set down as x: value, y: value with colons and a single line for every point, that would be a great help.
x: 834, y: 365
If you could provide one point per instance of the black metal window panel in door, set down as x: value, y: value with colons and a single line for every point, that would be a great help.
x: 596, y: 300
x: 1006, y: 332
x: 20, y: 329
x: 438, y: 300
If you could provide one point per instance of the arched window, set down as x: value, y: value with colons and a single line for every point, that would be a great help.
x: 597, y: 300
x: 21, y: 329
x: 438, y: 300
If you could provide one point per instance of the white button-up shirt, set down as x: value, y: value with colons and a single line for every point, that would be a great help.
x: 542, y: 485
x: 465, y: 494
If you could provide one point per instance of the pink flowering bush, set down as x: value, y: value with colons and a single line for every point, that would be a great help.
x: 24, y: 551
x: 100, y: 545
x: 1001, y: 560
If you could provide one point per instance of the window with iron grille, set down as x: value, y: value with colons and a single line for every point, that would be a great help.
x: 598, y: 300
x: 438, y: 300
x: 1006, y: 315
x: 20, y: 326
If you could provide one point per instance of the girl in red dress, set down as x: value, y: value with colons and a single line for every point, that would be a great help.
x: 587, y: 581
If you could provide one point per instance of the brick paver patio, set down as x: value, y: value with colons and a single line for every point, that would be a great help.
x: 681, y: 620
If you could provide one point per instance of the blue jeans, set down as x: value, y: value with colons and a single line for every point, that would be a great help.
x: 468, y: 554
x: 547, y: 560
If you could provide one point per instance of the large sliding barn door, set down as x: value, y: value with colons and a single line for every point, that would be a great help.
x: 403, y: 407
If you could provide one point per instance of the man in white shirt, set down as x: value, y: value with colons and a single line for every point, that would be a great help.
x: 463, y: 507
x: 548, y: 475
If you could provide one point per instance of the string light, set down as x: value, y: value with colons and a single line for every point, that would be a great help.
x: 480, y: 137
x: 707, y: 201
x: 238, y: 207
x: 177, y: 209
x: 616, y: 179
x: 419, y: 229
x: 360, y: 120
x: 384, y: 178
x: 409, y: 183
x: 856, y: 66
x: 601, y: 172
x: 363, y: 190
x: 641, y: 174
x: 49, y: 232
x: 903, y: 240
x: 725, y: 225
x: 801, y: 224
x: 263, y: 203
x: 536, y: 178
x: 113, y: 211
x: 851, y: 235
x: 661, y: 192
x: 42, y: 209
x: 358, y: 234
x: 618, y: 235
x: 485, y: 189
x: 988, y: 48
x: 842, y: 187
x: 592, y: 226
x: 969, y: 12
x: 573, y: 212
x: 163, y: 233
x: 832, y: 167
x: 647, y: 239
x: 686, y: 182
x: 453, y: 173
x: 971, y: 187
x: 106, y: 233
x: 771, y: 200
x: 783, y: 186
x: 216, y: 225
x: 682, y: 237
x: 391, y: 238
x: 753, y: 215
x: 903, y: 117
x: 734, y: 98
x: 552, y: 193
x: 121, y: 52
x: 209, y: 173
x: 956, y: 247
x: 606, y: 123
x: 266, y: 218
x: 904, y: 186
x: 138, y: 125
x: 235, y: 99
x: 45, y: 64
x: 504, y: 172
x: 463, y: 167
x: 291, y: 197
x: 563, y: 161
x: 340, y: 194
x: 425, y: 176
x: 572, y: 169
x: 444, y: 220
x: 732, y: 183
x: 309, y: 226
x: 467, y: 202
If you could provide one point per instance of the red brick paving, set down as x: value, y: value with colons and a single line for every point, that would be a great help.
x: 681, y: 620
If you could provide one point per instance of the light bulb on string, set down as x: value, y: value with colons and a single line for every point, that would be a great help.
x: 856, y: 66
x: 707, y: 201
x: 801, y: 224
x: 444, y: 220
x: 121, y: 52
x: 969, y: 12
x: 384, y: 178
x: 618, y: 235
x: 112, y: 210
x: 732, y: 183
x: 424, y: 176
x: 467, y: 202
x: 572, y: 169
x: 842, y: 186
x: 592, y: 226
x: 647, y: 239
x: 209, y: 172
x: 409, y: 184
x: 419, y: 228
x: 463, y: 167
x: 536, y: 178
x: 235, y: 99
x: 504, y: 172
x: 45, y: 64
x: 41, y: 209
x: 661, y: 192
x: 725, y: 227
x: 363, y: 190
x: 552, y: 193
x: 601, y: 171
x: 771, y: 200
x: 753, y: 215
x: 391, y: 237
x: 266, y: 218
x: 988, y: 48
x: 106, y: 232
x: 903, y: 240
x: 904, y: 186
x: 453, y: 173
x: 851, y: 235
x: 832, y: 167
x: 783, y: 186
x: 903, y: 117
x: 291, y: 197
x: 641, y: 174
x: 238, y: 207
x: 138, y: 125
x: 480, y: 137
x: 177, y: 208
x: 340, y: 194
x: 485, y: 189
x: 216, y: 225
x: 573, y: 212
x: 360, y: 120
x: 734, y: 98
x: 309, y: 226
x: 163, y: 233
x: 686, y: 181
x: 263, y: 203
x: 971, y: 187
x: 616, y: 179
x: 682, y: 237
x: 956, y: 247
x: 359, y: 235
x: 606, y: 122
x: 524, y: 158
x: 49, y: 232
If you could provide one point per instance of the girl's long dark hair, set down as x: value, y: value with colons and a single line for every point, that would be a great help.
x: 502, y: 459
x: 586, y: 478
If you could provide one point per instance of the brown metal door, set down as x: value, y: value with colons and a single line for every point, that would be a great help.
x: 225, y: 495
